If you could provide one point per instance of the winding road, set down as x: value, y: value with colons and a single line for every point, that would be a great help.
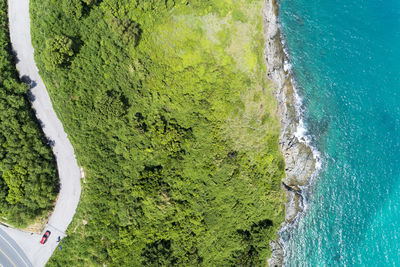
x: 18, y: 248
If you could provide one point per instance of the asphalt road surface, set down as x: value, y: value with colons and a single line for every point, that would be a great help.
x: 68, y: 169
x: 10, y: 253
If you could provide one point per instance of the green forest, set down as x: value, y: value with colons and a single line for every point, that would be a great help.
x: 28, y: 177
x: 173, y: 119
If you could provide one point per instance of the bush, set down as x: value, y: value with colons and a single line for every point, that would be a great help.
x: 58, y: 52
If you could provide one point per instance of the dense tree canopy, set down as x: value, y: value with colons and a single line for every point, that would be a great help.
x: 168, y: 107
x: 28, y: 180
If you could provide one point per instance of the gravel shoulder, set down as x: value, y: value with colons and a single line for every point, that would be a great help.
x: 68, y: 169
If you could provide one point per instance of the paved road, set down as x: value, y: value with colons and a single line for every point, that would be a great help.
x: 10, y: 253
x: 68, y: 170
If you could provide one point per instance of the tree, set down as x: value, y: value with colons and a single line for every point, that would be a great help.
x: 14, y: 180
x: 73, y: 8
x: 126, y: 29
x: 89, y: 2
x: 58, y: 52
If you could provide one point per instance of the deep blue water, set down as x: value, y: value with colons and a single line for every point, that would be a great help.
x: 346, y: 61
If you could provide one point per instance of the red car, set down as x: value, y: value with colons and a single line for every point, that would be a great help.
x: 45, y: 237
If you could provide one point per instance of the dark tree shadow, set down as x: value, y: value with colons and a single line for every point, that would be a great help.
x: 41, y: 124
x: 26, y: 79
x: 15, y: 58
x: 30, y: 96
x: 50, y: 142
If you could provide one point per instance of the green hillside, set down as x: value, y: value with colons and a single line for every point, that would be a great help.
x: 172, y: 117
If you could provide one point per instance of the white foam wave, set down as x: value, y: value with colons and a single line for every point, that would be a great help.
x: 304, y: 136
x: 302, y: 133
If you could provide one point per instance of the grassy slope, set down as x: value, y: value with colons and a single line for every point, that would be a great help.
x: 177, y: 134
x: 28, y: 179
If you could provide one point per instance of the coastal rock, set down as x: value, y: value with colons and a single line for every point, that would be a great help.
x: 277, y: 255
x: 292, y: 206
x: 299, y: 161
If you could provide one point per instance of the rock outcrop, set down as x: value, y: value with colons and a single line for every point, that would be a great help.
x: 299, y: 161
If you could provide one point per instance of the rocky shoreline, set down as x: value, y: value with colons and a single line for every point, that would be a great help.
x: 299, y: 161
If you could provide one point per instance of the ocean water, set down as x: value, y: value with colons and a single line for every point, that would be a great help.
x: 345, y: 57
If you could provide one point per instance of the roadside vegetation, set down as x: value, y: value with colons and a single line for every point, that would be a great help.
x: 28, y: 178
x: 172, y: 117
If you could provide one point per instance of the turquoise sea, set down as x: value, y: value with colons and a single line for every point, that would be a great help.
x: 345, y: 57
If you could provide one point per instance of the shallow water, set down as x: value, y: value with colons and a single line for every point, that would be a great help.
x: 345, y: 57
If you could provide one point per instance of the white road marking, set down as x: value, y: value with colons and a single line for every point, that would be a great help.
x: 2, y: 252
x: 14, y: 250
